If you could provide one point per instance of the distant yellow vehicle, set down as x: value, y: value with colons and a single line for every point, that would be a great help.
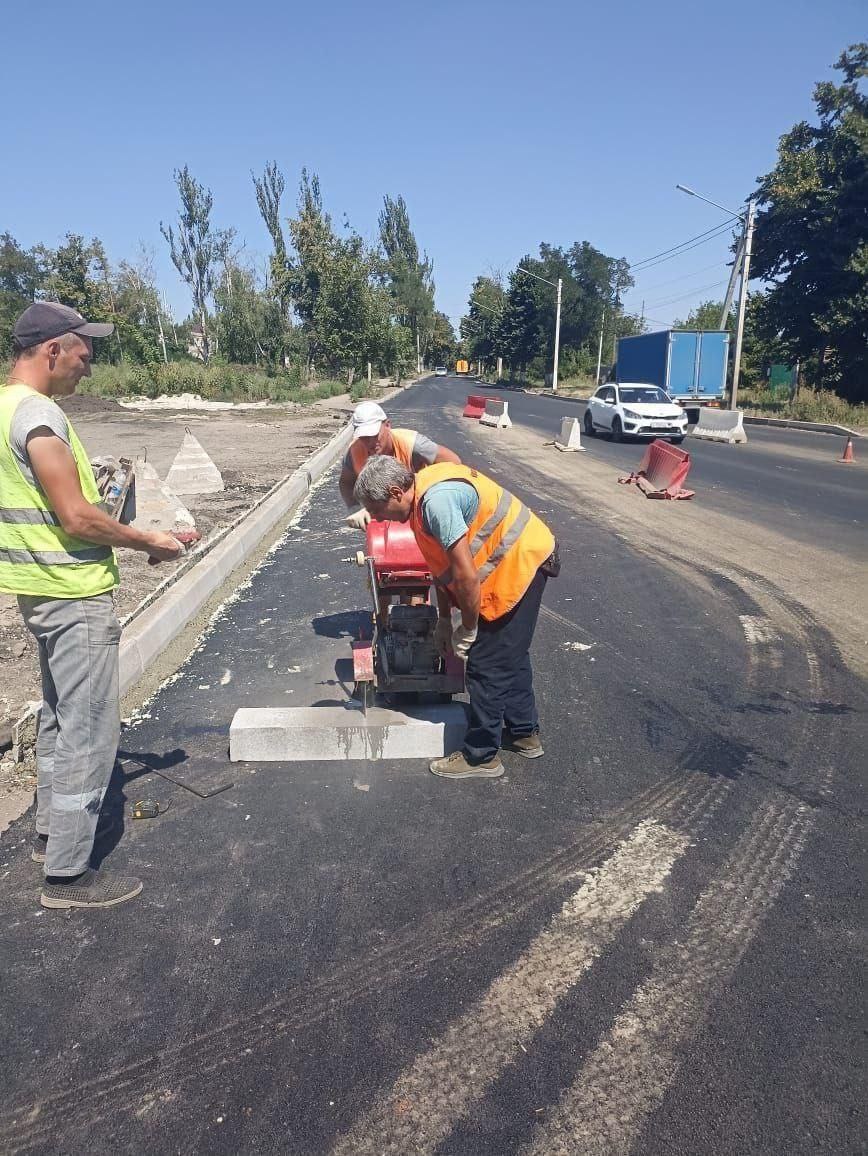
x: 461, y: 367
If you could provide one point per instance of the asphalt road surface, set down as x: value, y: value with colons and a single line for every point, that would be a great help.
x: 645, y: 942
x: 786, y: 479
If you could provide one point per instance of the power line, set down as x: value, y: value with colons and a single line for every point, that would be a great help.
x: 680, y: 277
x: 665, y: 253
x: 684, y: 296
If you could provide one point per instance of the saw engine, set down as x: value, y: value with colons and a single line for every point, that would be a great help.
x: 401, y: 657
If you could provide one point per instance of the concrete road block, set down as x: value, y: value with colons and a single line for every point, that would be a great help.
x: 571, y: 437
x: 192, y: 471
x: 331, y: 733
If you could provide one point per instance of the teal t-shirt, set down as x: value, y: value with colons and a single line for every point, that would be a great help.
x: 448, y: 508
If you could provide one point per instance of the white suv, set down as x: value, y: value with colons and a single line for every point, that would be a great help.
x: 631, y: 409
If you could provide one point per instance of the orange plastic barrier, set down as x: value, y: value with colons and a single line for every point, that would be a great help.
x: 662, y: 472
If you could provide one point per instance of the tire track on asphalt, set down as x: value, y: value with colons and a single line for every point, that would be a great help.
x: 681, y: 802
x: 442, y: 1084
x: 627, y: 1076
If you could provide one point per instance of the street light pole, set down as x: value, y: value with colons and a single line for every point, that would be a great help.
x: 557, y: 339
x: 558, y: 286
x: 600, y: 350
x: 742, y: 300
x: 747, y: 218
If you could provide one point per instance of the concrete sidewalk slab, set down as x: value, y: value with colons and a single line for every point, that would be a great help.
x: 328, y: 733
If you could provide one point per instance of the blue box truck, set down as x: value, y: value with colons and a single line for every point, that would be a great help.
x: 689, y: 364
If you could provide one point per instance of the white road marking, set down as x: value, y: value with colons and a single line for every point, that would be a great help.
x: 627, y: 1075
x: 441, y: 1085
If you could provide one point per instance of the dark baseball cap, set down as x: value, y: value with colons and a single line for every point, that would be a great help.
x: 44, y: 320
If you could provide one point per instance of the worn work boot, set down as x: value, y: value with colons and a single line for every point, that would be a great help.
x: 529, y: 746
x: 455, y: 766
x: 90, y: 889
x: 107, y: 823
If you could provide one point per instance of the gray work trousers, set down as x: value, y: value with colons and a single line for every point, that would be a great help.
x: 80, y: 723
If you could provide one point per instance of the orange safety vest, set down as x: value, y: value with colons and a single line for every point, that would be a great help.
x: 508, y: 542
x: 403, y: 441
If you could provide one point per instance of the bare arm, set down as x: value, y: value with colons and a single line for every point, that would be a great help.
x: 56, y: 471
x: 346, y: 482
x: 444, y: 606
x: 465, y: 582
x: 445, y: 455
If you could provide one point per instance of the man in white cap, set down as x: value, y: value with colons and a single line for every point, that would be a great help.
x: 373, y: 435
x: 56, y: 555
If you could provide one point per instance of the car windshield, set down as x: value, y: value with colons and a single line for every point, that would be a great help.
x: 649, y: 394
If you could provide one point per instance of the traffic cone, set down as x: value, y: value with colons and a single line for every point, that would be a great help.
x: 848, y: 452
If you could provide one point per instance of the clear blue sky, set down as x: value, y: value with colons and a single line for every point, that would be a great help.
x: 503, y: 124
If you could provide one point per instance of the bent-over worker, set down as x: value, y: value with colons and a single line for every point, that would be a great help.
x: 490, y: 557
x: 373, y: 435
x: 56, y: 555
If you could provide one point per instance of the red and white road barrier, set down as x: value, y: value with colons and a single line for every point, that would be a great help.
x: 496, y: 413
x: 662, y: 472
x: 475, y: 406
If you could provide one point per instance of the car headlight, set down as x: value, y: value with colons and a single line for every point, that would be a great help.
x: 628, y: 413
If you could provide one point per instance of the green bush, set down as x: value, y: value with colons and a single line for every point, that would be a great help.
x: 821, y: 405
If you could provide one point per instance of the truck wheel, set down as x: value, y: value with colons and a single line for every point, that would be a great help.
x: 617, y: 430
x: 677, y: 441
x: 588, y: 423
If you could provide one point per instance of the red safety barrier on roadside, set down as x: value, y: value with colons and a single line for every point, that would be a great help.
x: 662, y: 472
x: 475, y: 406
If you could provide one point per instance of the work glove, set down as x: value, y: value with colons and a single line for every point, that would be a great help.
x: 359, y: 519
x: 443, y: 637
x: 462, y: 640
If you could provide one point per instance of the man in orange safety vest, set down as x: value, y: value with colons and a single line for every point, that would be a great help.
x: 490, y: 557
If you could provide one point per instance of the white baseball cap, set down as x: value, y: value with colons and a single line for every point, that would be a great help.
x: 367, y: 419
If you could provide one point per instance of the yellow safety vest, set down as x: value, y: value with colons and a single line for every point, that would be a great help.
x: 508, y: 542
x: 37, y: 556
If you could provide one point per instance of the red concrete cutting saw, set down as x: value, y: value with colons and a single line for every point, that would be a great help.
x: 401, y: 657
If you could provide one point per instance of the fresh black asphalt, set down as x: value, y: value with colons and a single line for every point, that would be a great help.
x: 309, y: 931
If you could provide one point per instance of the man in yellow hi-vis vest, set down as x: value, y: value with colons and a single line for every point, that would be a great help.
x: 373, y: 434
x: 490, y: 557
x: 56, y: 555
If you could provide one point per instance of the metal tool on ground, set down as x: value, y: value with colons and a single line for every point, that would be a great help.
x: 662, y: 472
x: 401, y: 657
x: 148, y: 809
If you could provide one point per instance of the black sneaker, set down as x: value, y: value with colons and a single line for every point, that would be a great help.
x: 90, y: 889
x: 107, y: 823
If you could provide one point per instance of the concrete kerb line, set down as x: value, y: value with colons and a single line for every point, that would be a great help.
x: 164, y: 613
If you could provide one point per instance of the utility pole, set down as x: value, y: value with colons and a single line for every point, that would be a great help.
x: 730, y: 288
x: 558, y: 286
x: 162, y: 335
x: 742, y: 300
x: 615, y: 322
x: 557, y: 338
x: 600, y: 349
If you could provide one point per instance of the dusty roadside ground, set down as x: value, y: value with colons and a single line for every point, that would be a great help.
x: 253, y: 449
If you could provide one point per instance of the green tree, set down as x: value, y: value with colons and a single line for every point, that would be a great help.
x: 269, y: 189
x: 196, y: 246
x: 811, y: 240
x: 481, y: 326
x: 706, y: 315
x: 409, y: 275
x: 443, y: 345
x: 21, y: 278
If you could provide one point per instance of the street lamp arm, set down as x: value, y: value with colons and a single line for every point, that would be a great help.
x: 545, y: 280
x: 692, y: 193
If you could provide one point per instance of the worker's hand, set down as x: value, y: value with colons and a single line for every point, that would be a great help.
x: 359, y: 519
x: 443, y: 637
x: 463, y: 638
x: 163, y: 547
